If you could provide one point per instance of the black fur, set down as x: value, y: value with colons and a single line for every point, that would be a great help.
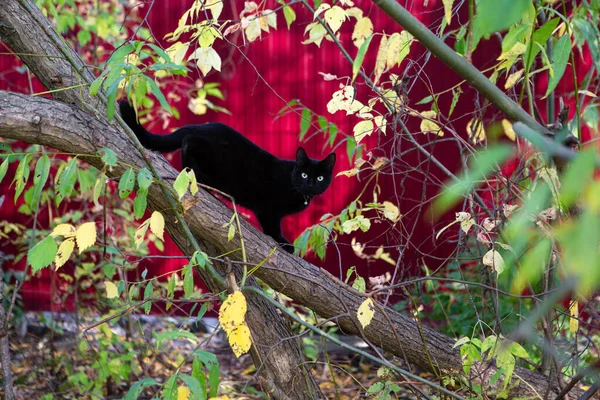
x: 224, y: 159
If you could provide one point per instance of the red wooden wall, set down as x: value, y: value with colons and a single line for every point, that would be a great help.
x: 259, y: 80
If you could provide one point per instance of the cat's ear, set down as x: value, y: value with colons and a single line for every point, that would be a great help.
x: 329, y: 161
x: 301, y: 156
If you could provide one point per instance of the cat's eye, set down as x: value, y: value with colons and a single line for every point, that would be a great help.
x: 304, y: 175
x: 320, y: 178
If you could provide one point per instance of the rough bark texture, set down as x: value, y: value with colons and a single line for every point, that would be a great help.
x: 24, y: 28
x: 68, y: 128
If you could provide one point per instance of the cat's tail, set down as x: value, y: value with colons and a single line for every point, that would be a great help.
x: 162, y: 143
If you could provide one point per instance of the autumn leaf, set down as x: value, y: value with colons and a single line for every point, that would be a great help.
x: 380, y: 63
x: 239, y: 340
x: 111, y: 290
x: 475, y: 131
x: 140, y: 233
x: 362, y: 129
x: 494, y: 260
x: 365, y: 312
x: 66, y: 230
x: 508, y: 130
x: 157, y: 224
x: 233, y: 311
x: 207, y: 59
x: 64, y: 252
x: 428, y: 126
x: 391, y: 211
x: 513, y: 78
x: 362, y: 30
x: 86, y: 236
x: 574, y: 321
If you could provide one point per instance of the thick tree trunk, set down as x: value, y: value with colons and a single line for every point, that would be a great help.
x: 69, y: 129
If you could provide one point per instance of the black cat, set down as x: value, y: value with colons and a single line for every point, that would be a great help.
x: 224, y: 159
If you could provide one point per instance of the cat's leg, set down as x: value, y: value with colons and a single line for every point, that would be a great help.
x: 271, y: 225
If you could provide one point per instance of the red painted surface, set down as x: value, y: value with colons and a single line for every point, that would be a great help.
x: 259, y: 79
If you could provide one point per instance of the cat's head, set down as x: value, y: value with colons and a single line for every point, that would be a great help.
x: 312, y: 177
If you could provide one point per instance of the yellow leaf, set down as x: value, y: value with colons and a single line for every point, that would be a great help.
x: 365, y: 312
x: 215, y: 7
x: 362, y: 129
x: 322, y: 7
x: 574, y: 321
x: 66, y: 230
x: 466, y: 222
x: 362, y: 30
x: 587, y: 93
x: 494, y: 260
x: 348, y: 173
x: 64, y: 252
x: 448, y: 10
x: 316, y: 33
x: 381, y: 62
x: 233, y: 311
x: 141, y: 233
x: 380, y: 123
x: 239, y: 340
x: 157, y: 225
x: 476, y: 131
x: 354, y: 12
x: 428, y: 126
x: 193, y: 182
x: 183, y: 393
x: 335, y: 17
x: 508, y: 130
x: 206, y: 59
x: 253, y: 30
x: 391, y: 211
x: 513, y: 78
x: 86, y: 236
x: 198, y: 106
x: 111, y: 290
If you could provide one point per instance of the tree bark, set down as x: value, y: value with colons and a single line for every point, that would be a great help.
x: 68, y: 128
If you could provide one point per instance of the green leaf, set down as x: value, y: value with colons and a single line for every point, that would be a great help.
x: 108, y: 156
x: 175, y: 335
x: 198, y: 373
x: 21, y: 175
x: 140, y: 203
x: 532, y: 266
x: 425, y: 100
x: 498, y: 15
x: 194, y: 385
x: 42, y: 254
x: 137, y: 388
x: 170, y: 388
x: 360, y: 57
x: 144, y: 178
x: 66, y: 180
x: 155, y: 90
x: 212, y: 364
x: 147, y: 294
x: 40, y: 176
x: 350, y: 148
x: 290, y: 15
x: 161, y: 53
x: 95, y: 86
x: 98, y: 187
x: 118, y: 56
x: 4, y: 168
x: 305, y: 121
x: 188, y: 280
x: 455, y: 96
x: 540, y: 37
x: 84, y: 37
x: 517, y: 350
x: 126, y: 183
x: 578, y: 173
x: 560, y: 57
x: 181, y: 183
